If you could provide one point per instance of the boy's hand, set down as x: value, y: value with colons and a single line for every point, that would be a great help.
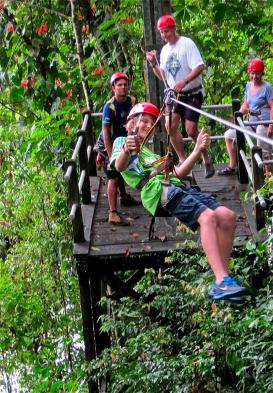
x: 202, y: 141
x: 132, y: 144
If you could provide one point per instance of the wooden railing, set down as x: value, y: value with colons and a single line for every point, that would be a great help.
x: 251, y: 168
x: 78, y: 169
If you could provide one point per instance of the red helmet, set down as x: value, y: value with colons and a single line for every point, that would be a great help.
x: 143, y: 108
x: 118, y: 75
x: 165, y: 21
x: 256, y: 65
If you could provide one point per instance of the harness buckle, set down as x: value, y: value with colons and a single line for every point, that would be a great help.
x: 168, y: 99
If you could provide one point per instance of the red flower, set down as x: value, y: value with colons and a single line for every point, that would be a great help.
x: 11, y: 28
x: 24, y: 83
x: 59, y: 83
x: 127, y: 19
x: 43, y: 28
x: 85, y: 29
x: 98, y: 71
x: 69, y: 93
x: 32, y: 82
x: 2, y: 4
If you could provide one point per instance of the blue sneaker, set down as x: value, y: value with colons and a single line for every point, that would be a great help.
x: 237, y: 299
x: 228, y: 288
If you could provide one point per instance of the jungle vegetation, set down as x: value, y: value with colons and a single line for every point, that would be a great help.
x: 56, y: 58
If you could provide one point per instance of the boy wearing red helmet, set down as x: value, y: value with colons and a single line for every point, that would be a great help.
x: 115, y: 112
x: 259, y: 104
x: 181, y: 66
x: 192, y: 207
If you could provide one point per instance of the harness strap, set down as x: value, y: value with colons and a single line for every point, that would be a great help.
x: 190, y: 92
x: 258, y: 113
x: 167, y: 166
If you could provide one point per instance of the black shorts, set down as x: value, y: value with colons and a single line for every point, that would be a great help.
x: 194, y: 100
x: 110, y: 173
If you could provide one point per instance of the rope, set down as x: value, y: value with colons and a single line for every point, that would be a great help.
x: 226, y: 122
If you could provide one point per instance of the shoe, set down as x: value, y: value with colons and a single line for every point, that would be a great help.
x: 237, y: 299
x: 228, y: 288
x: 209, y: 170
x: 115, y: 219
x: 129, y: 200
x: 227, y: 171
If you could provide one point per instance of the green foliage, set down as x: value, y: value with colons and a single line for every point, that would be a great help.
x: 228, y: 34
x: 173, y: 339
x: 40, y: 316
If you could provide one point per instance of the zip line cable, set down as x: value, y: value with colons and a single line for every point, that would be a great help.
x: 226, y: 122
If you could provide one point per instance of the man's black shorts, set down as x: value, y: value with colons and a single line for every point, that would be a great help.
x: 110, y: 173
x: 194, y: 100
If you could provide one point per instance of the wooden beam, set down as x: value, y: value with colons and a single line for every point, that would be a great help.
x: 152, y: 10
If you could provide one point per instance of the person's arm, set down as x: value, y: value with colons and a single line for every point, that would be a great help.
x: 195, y: 72
x: 244, y: 107
x: 123, y: 159
x: 151, y: 58
x: 107, y: 122
x: 107, y: 139
x: 185, y: 168
x: 130, y: 147
x: 270, y: 126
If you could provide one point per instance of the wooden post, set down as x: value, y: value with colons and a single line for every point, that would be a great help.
x: 152, y: 10
x: 90, y: 142
x: 236, y: 105
x: 241, y: 145
x: 86, y: 189
x: 258, y: 182
x: 89, y: 333
x: 75, y: 201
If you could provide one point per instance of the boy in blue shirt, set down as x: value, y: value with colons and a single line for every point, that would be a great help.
x: 115, y: 112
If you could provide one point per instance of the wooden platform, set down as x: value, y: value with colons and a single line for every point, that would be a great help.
x: 113, y: 245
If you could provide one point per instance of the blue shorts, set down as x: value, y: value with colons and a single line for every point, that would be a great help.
x: 187, y: 203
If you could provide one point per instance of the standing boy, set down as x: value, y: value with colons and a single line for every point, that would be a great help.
x: 115, y: 112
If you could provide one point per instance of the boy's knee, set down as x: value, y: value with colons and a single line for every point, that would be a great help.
x: 207, y: 218
x: 226, y: 216
x: 193, y: 133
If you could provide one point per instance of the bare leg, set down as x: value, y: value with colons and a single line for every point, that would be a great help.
x: 208, y: 222
x: 112, y: 193
x: 226, y: 220
x: 192, y: 131
x: 232, y: 152
x: 175, y: 135
x: 121, y: 186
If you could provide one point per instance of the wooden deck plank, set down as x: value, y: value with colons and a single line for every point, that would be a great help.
x: 108, y: 241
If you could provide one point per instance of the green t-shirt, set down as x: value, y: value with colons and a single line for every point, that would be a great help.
x: 137, y: 170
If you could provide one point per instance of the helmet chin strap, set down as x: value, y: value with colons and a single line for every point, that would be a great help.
x: 135, y: 132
